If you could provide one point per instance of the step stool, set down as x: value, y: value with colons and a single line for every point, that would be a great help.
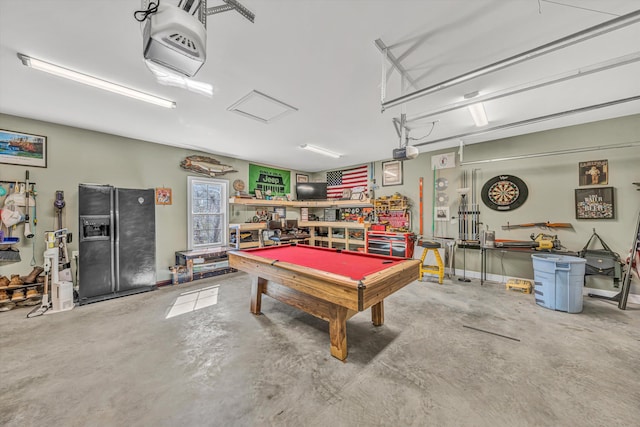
x: 524, y: 285
x: 429, y: 245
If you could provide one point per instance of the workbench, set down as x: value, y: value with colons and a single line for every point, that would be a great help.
x: 486, y: 249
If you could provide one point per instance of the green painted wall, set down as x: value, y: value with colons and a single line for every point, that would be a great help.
x: 80, y: 156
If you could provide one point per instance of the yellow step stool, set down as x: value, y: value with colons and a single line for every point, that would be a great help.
x: 429, y: 245
x: 524, y: 285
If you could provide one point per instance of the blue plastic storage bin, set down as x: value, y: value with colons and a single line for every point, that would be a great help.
x: 559, y: 280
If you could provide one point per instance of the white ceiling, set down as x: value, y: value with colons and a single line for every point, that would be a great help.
x: 320, y: 57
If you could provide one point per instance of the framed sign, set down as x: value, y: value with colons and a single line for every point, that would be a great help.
x: 595, y: 203
x: 300, y: 177
x: 392, y: 173
x: 270, y: 181
x: 23, y: 149
x: 595, y: 172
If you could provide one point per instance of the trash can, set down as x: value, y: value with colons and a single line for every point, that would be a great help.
x: 558, y: 281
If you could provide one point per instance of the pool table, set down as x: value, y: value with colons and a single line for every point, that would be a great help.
x: 331, y: 284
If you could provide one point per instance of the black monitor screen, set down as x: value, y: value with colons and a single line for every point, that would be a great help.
x: 311, y: 190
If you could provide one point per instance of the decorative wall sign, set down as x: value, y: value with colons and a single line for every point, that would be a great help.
x: 163, y: 196
x: 205, y: 165
x: 392, y: 173
x: 24, y: 149
x: 270, y: 181
x: 595, y: 203
x: 300, y: 177
x: 595, y: 172
x: 504, y: 193
x: 443, y: 161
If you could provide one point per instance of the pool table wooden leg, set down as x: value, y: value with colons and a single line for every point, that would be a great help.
x: 338, y: 331
x: 377, y: 313
x: 257, y: 288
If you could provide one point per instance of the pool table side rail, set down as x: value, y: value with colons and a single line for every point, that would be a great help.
x: 352, y: 294
x: 326, y: 286
x: 378, y: 286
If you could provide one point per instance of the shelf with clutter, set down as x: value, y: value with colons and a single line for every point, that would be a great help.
x: 392, y: 214
x: 297, y: 203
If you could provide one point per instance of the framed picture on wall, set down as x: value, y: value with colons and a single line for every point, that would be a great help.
x: 392, y: 173
x: 300, y: 177
x: 442, y: 213
x: 595, y: 203
x: 17, y: 148
x: 163, y: 196
x: 595, y: 172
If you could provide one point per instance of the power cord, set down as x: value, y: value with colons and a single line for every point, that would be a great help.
x: 433, y: 125
x: 142, y: 15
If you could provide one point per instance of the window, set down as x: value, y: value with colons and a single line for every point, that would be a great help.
x: 207, y: 215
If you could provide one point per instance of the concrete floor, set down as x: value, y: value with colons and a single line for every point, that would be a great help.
x: 121, y: 363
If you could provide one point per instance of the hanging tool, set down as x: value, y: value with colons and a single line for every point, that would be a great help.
x: 27, y: 222
x: 35, y: 223
x: 63, y: 237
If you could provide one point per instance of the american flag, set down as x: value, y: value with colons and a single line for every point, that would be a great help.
x: 346, y: 179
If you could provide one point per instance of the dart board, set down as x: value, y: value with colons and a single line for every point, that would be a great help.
x: 504, y: 193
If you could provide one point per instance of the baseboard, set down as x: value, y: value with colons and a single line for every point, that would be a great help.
x: 633, y: 298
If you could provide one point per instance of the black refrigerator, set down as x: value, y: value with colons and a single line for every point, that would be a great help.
x: 117, y: 248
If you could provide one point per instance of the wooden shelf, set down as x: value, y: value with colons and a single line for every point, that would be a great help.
x: 347, y: 241
x: 334, y: 224
x: 235, y: 231
x: 299, y: 203
x: 249, y: 226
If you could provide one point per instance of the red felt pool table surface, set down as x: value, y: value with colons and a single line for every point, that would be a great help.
x: 354, y: 265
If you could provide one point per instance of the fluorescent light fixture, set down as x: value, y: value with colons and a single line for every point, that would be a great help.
x: 478, y: 114
x: 93, y: 81
x: 320, y: 150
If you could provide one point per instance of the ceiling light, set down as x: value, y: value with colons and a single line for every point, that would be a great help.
x: 319, y: 150
x: 94, y: 81
x: 478, y: 114
x: 477, y: 110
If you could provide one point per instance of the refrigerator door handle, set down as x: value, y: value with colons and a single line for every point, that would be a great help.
x: 115, y: 259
